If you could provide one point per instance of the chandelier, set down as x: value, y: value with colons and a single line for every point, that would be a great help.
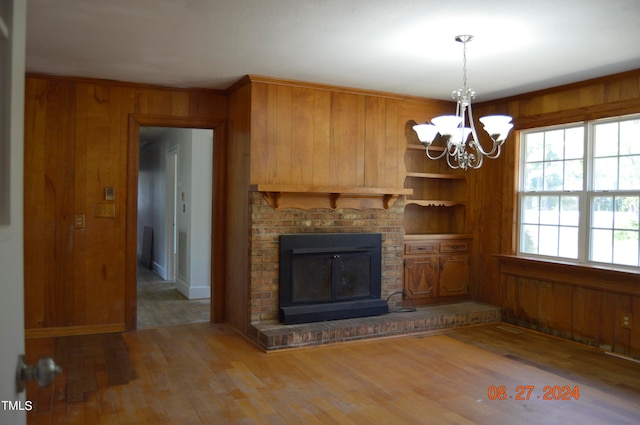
x: 455, y: 129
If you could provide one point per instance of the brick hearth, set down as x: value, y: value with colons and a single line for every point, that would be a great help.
x: 272, y: 335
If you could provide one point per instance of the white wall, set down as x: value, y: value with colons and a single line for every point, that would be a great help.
x: 195, y: 150
x: 200, y: 214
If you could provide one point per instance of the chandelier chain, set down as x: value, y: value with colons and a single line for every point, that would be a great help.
x: 464, y: 64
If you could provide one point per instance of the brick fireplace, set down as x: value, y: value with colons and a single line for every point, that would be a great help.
x: 267, y: 224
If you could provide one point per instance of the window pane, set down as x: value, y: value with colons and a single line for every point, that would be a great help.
x: 625, y: 248
x: 630, y: 172
x: 554, y: 145
x: 573, y: 175
x: 534, y: 144
x: 548, y: 240
x: 553, y: 174
x: 529, y: 239
x: 569, y: 210
x: 605, y: 174
x: 602, y: 212
x: 626, y: 212
x: 568, y: 242
x: 530, y: 210
x: 574, y: 143
x: 601, y: 242
x: 549, y: 210
x: 630, y: 137
x: 606, y: 139
x: 533, y: 177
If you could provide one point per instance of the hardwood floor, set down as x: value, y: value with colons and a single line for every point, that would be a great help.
x: 208, y: 374
x: 160, y: 303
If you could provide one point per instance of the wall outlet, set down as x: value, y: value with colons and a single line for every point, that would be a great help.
x: 626, y: 320
x: 79, y: 221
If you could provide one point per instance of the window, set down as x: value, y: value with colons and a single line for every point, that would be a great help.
x: 579, y: 197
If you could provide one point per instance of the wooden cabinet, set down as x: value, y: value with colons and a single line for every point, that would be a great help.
x: 436, y: 268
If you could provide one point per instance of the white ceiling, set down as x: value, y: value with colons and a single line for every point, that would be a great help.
x: 401, y: 46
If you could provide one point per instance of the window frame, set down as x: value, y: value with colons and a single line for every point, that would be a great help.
x: 585, y: 195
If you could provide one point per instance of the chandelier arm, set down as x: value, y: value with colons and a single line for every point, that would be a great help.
x: 476, y: 141
x: 453, y: 166
x: 496, y: 151
x: 479, y: 157
x: 478, y: 163
x: 434, y: 157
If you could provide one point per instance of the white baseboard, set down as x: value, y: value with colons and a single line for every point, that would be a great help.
x: 182, y: 287
x: 159, y: 270
x: 199, y: 292
x: 192, y: 292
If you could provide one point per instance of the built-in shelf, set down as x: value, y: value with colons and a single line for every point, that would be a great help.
x: 438, y: 204
x: 308, y: 196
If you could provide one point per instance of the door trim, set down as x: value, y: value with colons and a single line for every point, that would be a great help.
x: 171, y: 159
x: 218, y: 213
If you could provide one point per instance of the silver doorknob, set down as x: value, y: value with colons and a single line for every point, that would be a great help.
x: 44, y: 372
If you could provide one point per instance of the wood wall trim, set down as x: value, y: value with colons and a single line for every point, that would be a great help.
x: 101, y: 81
x: 619, y: 108
x: 73, y: 330
x: 611, y: 280
x: 555, y: 89
x: 342, y: 89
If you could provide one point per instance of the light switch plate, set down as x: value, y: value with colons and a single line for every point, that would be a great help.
x: 109, y: 193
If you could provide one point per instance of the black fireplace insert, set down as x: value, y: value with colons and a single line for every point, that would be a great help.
x: 328, y: 276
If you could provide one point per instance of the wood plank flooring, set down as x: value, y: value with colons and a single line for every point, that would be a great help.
x: 160, y: 303
x: 208, y: 374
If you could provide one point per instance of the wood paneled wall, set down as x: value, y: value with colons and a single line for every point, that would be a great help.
x: 237, y: 206
x: 587, y: 309
x: 303, y: 134
x: 76, y: 144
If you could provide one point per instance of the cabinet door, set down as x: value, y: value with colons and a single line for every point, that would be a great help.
x: 454, y: 275
x: 420, y: 277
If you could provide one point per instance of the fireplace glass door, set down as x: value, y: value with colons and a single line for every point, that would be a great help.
x: 327, y: 278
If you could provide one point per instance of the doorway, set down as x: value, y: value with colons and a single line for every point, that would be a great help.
x: 183, y: 204
x: 174, y: 206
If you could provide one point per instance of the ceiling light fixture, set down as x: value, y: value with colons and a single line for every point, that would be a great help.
x: 454, y: 130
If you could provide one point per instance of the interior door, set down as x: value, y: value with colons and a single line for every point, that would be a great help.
x: 12, y: 68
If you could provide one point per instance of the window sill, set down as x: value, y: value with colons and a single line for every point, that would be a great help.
x: 587, y: 276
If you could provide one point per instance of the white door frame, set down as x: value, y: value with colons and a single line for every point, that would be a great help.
x: 171, y: 211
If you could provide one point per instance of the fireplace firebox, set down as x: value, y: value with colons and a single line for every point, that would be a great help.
x: 330, y: 276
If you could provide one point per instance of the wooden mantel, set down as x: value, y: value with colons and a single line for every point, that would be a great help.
x: 307, y: 197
